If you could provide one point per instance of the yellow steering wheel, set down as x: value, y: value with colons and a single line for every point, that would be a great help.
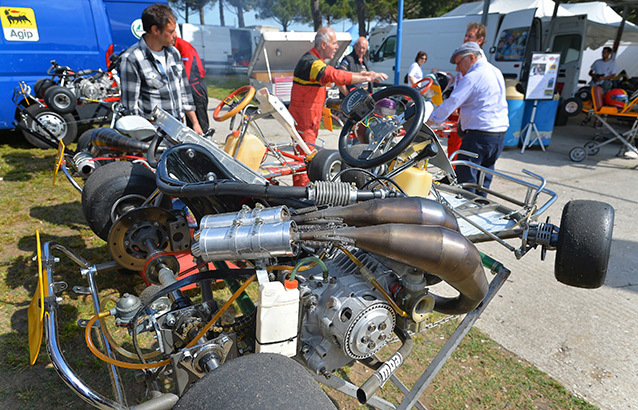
x: 233, y: 101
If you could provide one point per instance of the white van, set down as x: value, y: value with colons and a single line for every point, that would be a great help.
x: 222, y: 49
x: 509, y: 42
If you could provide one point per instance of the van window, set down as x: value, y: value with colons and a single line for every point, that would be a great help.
x: 388, y: 48
x: 511, y: 45
x: 568, y: 45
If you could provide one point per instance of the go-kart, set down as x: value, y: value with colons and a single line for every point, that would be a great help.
x: 340, y: 270
x: 52, y: 110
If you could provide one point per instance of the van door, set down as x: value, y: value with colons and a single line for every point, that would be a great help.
x: 567, y: 37
x: 510, y: 45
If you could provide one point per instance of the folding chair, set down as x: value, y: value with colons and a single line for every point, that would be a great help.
x: 601, y: 112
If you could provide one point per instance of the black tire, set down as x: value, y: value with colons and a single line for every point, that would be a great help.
x: 584, y: 93
x: 60, y: 99
x: 114, y: 189
x: 356, y: 176
x: 41, y: 86
x: 256, y: 381
x: 85, y: 139
x: 573, y: 106
x: 324, y: 165
x: 584, y: 243
x: 62, y: 126
x: 577, y: 154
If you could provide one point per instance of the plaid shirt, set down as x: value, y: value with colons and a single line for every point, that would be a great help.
x: 145, y: 84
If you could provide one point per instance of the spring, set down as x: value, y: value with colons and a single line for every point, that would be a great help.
x: 84, y: 164
x: 332, y: 193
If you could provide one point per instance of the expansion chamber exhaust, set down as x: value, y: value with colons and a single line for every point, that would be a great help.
x: 434, y: 249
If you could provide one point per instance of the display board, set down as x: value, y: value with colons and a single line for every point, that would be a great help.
x: 542, y: 76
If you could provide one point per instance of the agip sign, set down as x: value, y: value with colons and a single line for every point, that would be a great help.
x: 18, y: 24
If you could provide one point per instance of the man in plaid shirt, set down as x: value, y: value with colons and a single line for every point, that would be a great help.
x: 152, y: 73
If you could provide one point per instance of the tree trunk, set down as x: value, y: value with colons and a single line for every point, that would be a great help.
x: 316, y: 14
x: 240, y: 14
x: 186, y: 14
x: 221, y: 13
x: 201, y: 16
x: 361, y: 17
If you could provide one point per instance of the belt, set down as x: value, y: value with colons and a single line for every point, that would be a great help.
x: 485, y: 133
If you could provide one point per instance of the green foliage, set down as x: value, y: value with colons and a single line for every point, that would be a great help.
x: 284, y: 12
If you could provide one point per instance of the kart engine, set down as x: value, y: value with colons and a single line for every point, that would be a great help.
x: 379, y: 256
x: 96, y: 87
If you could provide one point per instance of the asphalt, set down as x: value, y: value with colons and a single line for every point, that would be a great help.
x: 585, y: 338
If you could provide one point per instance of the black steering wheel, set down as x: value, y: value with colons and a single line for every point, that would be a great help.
x: 390, y: 127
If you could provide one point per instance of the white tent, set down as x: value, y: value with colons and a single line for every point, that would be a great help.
x: 602, y: 20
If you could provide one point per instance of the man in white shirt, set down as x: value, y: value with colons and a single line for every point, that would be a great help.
x: 604, y: 70
x: 480, y: 95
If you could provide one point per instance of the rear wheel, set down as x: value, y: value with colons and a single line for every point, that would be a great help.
x: 256, y: 381
x: 114, y: 189
x: 584, y: 243
x: 61, y: 126
x: 592, y: 147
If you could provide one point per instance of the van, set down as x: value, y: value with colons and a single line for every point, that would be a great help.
x: 222, y: 49
x: 509, y: 43
x: 76, y: 33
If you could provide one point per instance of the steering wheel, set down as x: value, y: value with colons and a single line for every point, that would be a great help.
x: 232, y: 101
x: 426, y: 87
x: 392, y: 126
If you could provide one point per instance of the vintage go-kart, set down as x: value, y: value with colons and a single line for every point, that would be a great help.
x: 52, y: 110
x: 340, y: 270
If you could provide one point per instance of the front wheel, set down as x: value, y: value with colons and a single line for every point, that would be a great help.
x: 577, y: 154
x: 60, y: 99
x: 324, y: 165
x: 573, y: 106
x: 60, y: 126
x: 584, y: 243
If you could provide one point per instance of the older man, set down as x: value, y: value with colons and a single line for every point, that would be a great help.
x: 308, y: 93
x: 152, y: 73
x: 480, y: 95
x: 355, y: 62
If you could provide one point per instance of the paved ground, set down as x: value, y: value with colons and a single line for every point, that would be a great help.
x: 586, y: 339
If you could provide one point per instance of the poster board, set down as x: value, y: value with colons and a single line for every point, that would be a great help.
x: 543, y: 71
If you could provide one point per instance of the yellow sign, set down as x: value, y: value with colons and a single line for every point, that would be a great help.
x: 18, y: 24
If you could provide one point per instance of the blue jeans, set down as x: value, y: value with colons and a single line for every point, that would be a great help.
x: 488, y: 148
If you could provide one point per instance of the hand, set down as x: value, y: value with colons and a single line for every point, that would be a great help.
x: 378, y: 77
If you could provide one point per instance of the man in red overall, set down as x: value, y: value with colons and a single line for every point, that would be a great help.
x: 196, y: 74
x: 308, y: 93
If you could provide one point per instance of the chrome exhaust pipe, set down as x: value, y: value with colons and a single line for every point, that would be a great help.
x: 434, y: 249
x: 413, y: 211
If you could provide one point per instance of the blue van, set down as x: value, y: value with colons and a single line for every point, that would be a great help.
x: 76, y: 33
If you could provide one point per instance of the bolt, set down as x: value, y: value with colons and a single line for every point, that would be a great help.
x: 365, y: 339
x: 382, y: 326
x: 372, y: 327
x: 382, y: 337
x: 190, y: 153
x: 372, y: 345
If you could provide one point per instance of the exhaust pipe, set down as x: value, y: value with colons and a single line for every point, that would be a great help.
x: 413, y: 211
x: 434, y: 249
x: 109, y: 139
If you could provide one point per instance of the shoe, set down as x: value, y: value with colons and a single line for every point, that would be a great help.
x: 630, y: 155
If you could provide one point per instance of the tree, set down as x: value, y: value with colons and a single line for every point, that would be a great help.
x: 284, y: 12
x: 315, y: 11
x: 240, y: 7
x: 187, y: 6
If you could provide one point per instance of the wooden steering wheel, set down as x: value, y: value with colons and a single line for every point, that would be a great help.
x: 234, y: 103
x: 426, y: 87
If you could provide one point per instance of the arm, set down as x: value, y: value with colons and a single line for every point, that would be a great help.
x: 461, y: 93
x: 193, y: 119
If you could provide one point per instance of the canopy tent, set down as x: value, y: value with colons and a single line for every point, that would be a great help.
x: 602, y: 20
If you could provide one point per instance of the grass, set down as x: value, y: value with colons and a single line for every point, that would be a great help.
x: 219, y: 86
x: 480, y: 374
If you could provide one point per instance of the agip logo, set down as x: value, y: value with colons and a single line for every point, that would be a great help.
x: 18, y: 24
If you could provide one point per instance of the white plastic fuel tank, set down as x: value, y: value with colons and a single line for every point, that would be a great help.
x: 277, y: 318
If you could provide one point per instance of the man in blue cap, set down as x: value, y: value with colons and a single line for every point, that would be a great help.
x: 480, y: 97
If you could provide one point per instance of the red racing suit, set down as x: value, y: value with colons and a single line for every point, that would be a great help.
x: 308, y: 97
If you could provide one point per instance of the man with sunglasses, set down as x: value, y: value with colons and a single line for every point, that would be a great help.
x: 480, y: 96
